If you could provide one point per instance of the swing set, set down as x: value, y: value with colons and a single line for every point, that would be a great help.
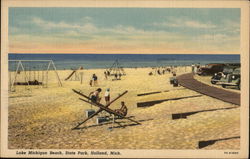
x: 29, y: 73
x: 116, y: 70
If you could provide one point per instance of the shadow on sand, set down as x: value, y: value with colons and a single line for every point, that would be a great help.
x: 203, y: 144
x: 120, y: 124
x: 151, y: 103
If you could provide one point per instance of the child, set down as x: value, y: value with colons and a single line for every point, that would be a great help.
x: 90, y: 83
x: 107, y: 95
x: 94, y: 78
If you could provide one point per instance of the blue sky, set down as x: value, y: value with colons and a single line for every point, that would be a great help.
x: 124, y: 30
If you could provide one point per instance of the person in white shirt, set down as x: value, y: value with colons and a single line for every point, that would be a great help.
x: 107, y: 95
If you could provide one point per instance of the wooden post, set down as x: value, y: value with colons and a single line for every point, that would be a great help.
x: 81, y: 76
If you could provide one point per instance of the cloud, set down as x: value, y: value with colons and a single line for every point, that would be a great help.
x: 50, y: 25
x: 196, y: 24
x: 213, y: 37
x: 230, y: 26
x: 86, y: 27
x: 183, y: 23
x: 86, y: 35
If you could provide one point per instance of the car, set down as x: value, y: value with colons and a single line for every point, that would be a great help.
x: 210, y: 69
x: 221, y: 76
x: 232, y: 79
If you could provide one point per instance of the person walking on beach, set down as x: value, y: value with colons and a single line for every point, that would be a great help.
x: 108, y: 73
x: 95, y: 96
x: 158, y: 71
x: 119, y: 76
x: 116, y: 76
x: 91, y: 82
x: 195, y: 69
x: 107, y: 95
x: 105, y: 74
x: 94, y: 79
x: 192, y: 68
x: 81, y: 73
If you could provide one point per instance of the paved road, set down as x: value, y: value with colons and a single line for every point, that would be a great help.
x: 188, y: 81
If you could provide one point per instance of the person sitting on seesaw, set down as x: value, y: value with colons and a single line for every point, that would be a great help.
x: 123, y: 110
x: 94, y: 96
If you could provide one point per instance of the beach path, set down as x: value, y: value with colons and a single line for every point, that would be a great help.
x: 188, y: 81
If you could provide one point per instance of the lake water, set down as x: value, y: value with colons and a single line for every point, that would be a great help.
x: 90, y: 61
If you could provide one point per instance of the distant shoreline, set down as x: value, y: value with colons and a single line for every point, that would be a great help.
x: 105, y: 61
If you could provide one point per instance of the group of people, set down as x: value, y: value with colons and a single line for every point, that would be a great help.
x: 106, y: 74
x: 161, y: 70
x: 118, y: 76
x: 195, y: 68
x: 96, y: 98
x: 94, y: 79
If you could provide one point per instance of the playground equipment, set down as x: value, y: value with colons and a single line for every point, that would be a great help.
x: 101, y: 108
x: 76, y: 75
x: 116, y: 70
x: 31, y: 73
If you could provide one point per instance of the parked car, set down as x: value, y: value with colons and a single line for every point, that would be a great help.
x: 233, y: 79
x: 210, y: 69
x: 233, y: 64
x: 221, y: 76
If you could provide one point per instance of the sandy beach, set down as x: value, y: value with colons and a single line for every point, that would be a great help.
x: 42, y: 118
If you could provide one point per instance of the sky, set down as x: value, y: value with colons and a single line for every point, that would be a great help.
x: 124, y: 30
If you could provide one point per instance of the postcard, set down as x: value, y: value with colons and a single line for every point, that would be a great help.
x: 124, y: 79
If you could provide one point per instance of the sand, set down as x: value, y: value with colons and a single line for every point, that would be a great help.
x: 42, y: 118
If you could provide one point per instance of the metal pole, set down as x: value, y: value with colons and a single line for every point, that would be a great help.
x: 60, y: 83
x: 15, y: 75
x: 25, y: 76
x: 47, y: 74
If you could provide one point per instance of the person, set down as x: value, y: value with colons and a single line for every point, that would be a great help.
x: 163, y: 71
x: 94, y: 79
x: 94, y: 96
x: 119, y: 76
x: 91, y: 82
x: 195, y: 69
x: 107, y: 95
x: 169, y: 70
x: 158, y: 71
x: 174, y: 73
x: 105, y: 74
x: 116, y: 76
x: 123, y: 110
x: 81, y: 73
x: 192, y: 68
x: 108, y: 73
